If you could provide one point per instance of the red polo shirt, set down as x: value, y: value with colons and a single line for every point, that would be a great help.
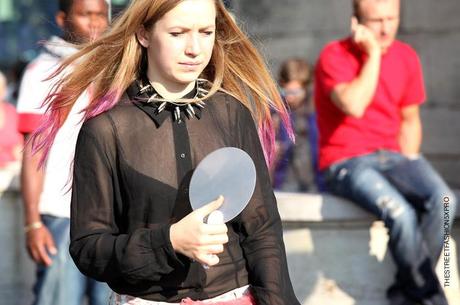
x: 400, y: 84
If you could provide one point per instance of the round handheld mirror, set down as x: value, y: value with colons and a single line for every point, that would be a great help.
x: 229, y: 172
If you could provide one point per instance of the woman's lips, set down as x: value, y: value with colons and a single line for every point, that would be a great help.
x: 191, y: 64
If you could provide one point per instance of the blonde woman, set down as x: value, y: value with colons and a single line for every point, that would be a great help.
x: 171, y: 82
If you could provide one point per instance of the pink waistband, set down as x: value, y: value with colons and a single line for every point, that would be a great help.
x: 238, y: 296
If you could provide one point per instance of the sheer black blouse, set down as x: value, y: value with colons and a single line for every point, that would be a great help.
x: 132, y: 170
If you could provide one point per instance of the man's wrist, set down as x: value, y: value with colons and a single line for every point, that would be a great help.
x: 375, y: 54
x: 33, y: 226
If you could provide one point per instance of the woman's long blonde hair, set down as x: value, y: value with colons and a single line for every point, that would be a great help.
x: 110, y: 64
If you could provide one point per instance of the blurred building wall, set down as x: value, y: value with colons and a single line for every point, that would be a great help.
x: 301, y: 28
x: 24, y: 23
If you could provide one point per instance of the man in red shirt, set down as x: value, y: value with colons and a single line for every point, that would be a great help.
x: 368, y: 90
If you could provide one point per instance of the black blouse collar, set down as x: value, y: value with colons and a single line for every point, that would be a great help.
x: 141, y: 95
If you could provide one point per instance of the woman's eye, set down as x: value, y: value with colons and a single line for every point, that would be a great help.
x: 209, y: 33
x: 175, y: 34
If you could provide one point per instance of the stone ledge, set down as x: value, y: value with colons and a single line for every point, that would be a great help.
x: 309, y: 207
x: 338, y: 252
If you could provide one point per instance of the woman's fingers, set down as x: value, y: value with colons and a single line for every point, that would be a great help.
x: 214, y: 229
x: 215, y: 239
x: 207, y: 259
x: 212, y: 249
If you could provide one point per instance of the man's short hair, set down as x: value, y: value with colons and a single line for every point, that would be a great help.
x: 65, y: 5
x: 356, y: 6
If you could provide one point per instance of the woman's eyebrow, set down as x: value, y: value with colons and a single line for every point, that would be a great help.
x: 186, y: 28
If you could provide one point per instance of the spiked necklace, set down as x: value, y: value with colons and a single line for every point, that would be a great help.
x: 177, y: 107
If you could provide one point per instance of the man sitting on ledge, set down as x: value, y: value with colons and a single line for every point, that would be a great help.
x: 368, y: 91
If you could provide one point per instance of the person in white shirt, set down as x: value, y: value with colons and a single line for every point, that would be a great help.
x: 46, y: 190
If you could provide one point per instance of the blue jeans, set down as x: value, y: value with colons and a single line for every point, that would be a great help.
x: 62, y: 283
x: 409, y: 196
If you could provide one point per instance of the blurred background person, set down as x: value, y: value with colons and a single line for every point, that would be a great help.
x: 295, y: 165
x: 369, y: 88
x: 10, y: 138
x: 14, y: 76
x: 45, y: 191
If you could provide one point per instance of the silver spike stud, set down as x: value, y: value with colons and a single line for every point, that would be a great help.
x: 190, y: 109
x: 189, y: 114
x: 201, y: 104
x: 202, y: 90
x: 161, y: 107
x: 177, y: 114
x: 151, y: 99
x: 143, y: 89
